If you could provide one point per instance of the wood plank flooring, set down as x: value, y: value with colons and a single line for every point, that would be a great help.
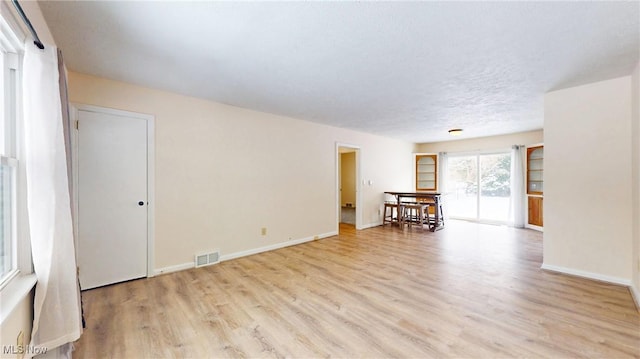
x: 468, y: 291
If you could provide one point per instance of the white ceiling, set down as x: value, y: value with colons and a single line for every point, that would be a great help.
x: 409, y: 70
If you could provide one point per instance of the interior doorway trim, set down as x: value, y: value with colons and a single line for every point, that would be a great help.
x: 150, y: 119
x: 355, y: 149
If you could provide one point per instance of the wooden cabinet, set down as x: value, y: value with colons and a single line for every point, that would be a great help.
x: 535, y: 162
x: 535, y: 211
x: 426, y: 172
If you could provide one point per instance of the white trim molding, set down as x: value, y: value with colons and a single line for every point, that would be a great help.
x: 371, y: 225
x: 532, y: 226
x: 588, y: 275
x: 12, y: 35
x: 635, y: 294
x: 174, y: 268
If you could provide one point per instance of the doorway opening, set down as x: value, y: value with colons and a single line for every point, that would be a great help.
x: 347, y: 187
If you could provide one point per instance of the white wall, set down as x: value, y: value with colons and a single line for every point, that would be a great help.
x: 223, y: 173
x: 482, y: 143
x: 635, y: 180
x: 587, y: 177
x: 19, y: 321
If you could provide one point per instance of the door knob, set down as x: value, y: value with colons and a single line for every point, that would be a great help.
x: 140, y: 203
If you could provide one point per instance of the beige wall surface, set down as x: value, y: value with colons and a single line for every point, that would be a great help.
x: 635, y: 179
x: 348, y: 177
x: 223, y: 173
x: 21, y: 317
x: 483, y: 143
x: 19, y: 321
x: 587, y: 177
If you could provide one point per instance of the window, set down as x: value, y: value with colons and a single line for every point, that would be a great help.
x: 9, y: 81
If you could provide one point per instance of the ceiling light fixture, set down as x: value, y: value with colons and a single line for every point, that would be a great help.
x: 455, y: 131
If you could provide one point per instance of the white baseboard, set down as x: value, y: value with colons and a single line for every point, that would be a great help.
x: 370, y: 225
x: 175, y: 268
x: 635, y: 293
x: 253, y: 251
x: 589, y: 275
x: 534, y: 227
x: 226, y: 257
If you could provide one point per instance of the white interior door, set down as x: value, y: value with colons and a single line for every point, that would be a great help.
x: 112, y: 198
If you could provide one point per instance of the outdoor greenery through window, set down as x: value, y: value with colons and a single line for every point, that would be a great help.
x: 479, y: 186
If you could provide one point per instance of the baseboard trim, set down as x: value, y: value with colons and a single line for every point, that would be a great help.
x: 370, y: 225
x: 588, y: 275
x: 534, y: 227
x: 635, y: 294
x: 230, y: 256
x: 272, y: 247
x: 175, y: 268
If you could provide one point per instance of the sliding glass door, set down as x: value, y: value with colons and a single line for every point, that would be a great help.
x: 478, y: 186
x: 462, y: 187
x: 495, y: 187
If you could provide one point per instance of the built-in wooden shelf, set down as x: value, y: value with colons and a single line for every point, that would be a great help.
x: 426, y: 172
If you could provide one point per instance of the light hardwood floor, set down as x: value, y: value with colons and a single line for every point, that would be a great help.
x: 468, y: 291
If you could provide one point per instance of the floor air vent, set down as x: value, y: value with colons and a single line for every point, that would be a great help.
x: 206, y: 259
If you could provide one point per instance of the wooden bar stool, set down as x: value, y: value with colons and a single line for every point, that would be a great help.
x: 389, y: 208
x: 414, y: 214
x: 440, y: 215
x: 430, y: 205
x: 437, y: 221
x: 426, y: 217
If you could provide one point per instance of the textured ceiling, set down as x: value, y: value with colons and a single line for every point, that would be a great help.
x: 409, y: 70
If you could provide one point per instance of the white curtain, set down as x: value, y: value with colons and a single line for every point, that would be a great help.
x: 516, y: 207
x: 443, y: 169
x: 57, y: 317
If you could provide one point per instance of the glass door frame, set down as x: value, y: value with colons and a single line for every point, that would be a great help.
x: 477, y: 155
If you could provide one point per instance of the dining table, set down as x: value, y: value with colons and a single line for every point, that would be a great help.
x: 432, y: 198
